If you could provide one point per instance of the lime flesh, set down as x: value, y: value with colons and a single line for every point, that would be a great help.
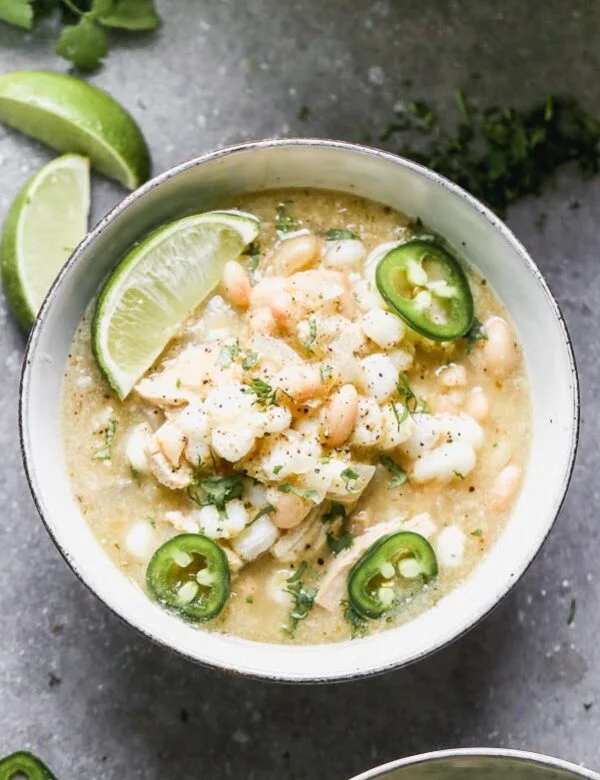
x: 46, y: 221
x: 72, y: 116
x: 157, y: 285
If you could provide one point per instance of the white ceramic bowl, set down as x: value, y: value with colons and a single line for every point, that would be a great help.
x: 475, y: 763
x: 481, y: 238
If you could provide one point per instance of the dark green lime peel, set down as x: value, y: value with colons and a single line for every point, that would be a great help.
x: 502, y: 154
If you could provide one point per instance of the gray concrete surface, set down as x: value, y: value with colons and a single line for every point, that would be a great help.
x: 86, y: 692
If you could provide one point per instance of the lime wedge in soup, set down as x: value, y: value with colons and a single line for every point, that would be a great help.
x: 46, y: 221
x: 157, y: 285
x: 72, y: 116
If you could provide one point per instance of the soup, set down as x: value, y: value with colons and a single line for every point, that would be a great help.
x: 329, y: 443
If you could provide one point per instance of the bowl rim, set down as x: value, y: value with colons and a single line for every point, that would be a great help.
x: 521, y: 755
x: 247, y: 147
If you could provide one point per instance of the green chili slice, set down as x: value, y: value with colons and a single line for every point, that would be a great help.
x: 404, y: 556
x: 427, y: 287
x: 23, y: 764
x: 190, y: 575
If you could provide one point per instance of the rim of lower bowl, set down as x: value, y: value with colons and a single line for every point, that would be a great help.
x: 521, y: 755
x: 157, y: 181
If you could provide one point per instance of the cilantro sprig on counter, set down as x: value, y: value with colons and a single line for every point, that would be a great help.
x: 83, y: 40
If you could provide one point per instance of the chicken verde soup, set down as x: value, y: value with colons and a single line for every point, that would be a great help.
x: 298, y: 420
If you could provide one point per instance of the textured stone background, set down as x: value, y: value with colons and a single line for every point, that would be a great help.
x: 86, y: 692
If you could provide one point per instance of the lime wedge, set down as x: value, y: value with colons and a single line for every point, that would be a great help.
x: 46, y: 221
x: 72, y: 116
x: 157, y: 285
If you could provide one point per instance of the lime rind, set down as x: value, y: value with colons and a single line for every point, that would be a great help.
x: 71, y: 115
x: 157, y: 285
x: 29, y: 270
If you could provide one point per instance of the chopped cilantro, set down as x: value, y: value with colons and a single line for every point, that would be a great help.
x: 477, y: 532
x: 343, y: 539
x: 400, y: 418
x: 227, y: 355
x: 312, y: 334
x: 358, y: 624
x: 263, y: 391
x: 340, y: 234
x: 304, y: 599
x: 349, y: 476
x: 458, y: 474
x: 217, y: 491
x: 310, y: 495
x: 474, y: 334
x: 264, y: 510
x: 285, y: 222
x: 409, y: 399
x: 151, y: 521
x: 249, y: 599
x: 326, y: 372
x: 572, y: 611
x: 277, y: 468
x: 250, y: 360
x: 109, y: 434
x: 399, y: 476
x: 84, y: 44
x: 178, y: 383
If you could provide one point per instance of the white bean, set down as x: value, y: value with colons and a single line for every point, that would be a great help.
x: 499, y: 352
x: 290, y: 509
x: 299, y: 382
x: 236, y: 285
x: 339, y: 416
x: 504, y: 488
x: 477, y: 405
x: 295, y: 254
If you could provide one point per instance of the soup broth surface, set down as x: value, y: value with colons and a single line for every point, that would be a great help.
x: 442, y: 453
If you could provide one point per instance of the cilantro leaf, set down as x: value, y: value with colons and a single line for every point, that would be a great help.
x: 304, y: 598
x: 410, y: 400
x: 130, y: 15
x: 310, y: 495
x: 17, y: 12
x: 109, y: 434
x: 358, y: 624
x: 84, y: 44
x: 217, y: 491
x: 474, y: 334
x: 263, y: 391
x: 312, y: 335
x: 343, y: 539
x: 264, y: 510
x: 349, y: 476
x: 285, y: 222
x: 339, y: 234
x: 399, y: 476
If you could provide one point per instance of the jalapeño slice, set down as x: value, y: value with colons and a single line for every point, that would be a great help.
x: 23, y: 764
x: 190, y: 575
x: 401, y: 556
x: 427, y: 287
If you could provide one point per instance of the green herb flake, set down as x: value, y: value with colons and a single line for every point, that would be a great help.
x: 304, y: 599
x: 312, y: 335
x: 263, y: 391
x: 326, y: 372
x: 250, y: 360
x: 477, y: 532
x: 400, y: 418
x: 341, y: 538
x: 340, y: 234
x: 409, y: 399
x: 105, y: 452
x: 151, y: 521
x: 458, y: 474
x: 84, y: 44
x: 350, y: 477
x: 285, y: 222
x: 358, y: 624
x: 227, y: 355
x: 399, y: 476
x: 303, y: 113
x: 572, y: 611
x: 474, y: 334
x: 178, y: 383
x: 277, y: 468
x: 217, y: 491
x: 264, y: 510
x: 310, y: 495
x: 249, y: 599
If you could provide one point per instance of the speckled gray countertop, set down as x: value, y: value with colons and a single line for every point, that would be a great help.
x: 98, y: 701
